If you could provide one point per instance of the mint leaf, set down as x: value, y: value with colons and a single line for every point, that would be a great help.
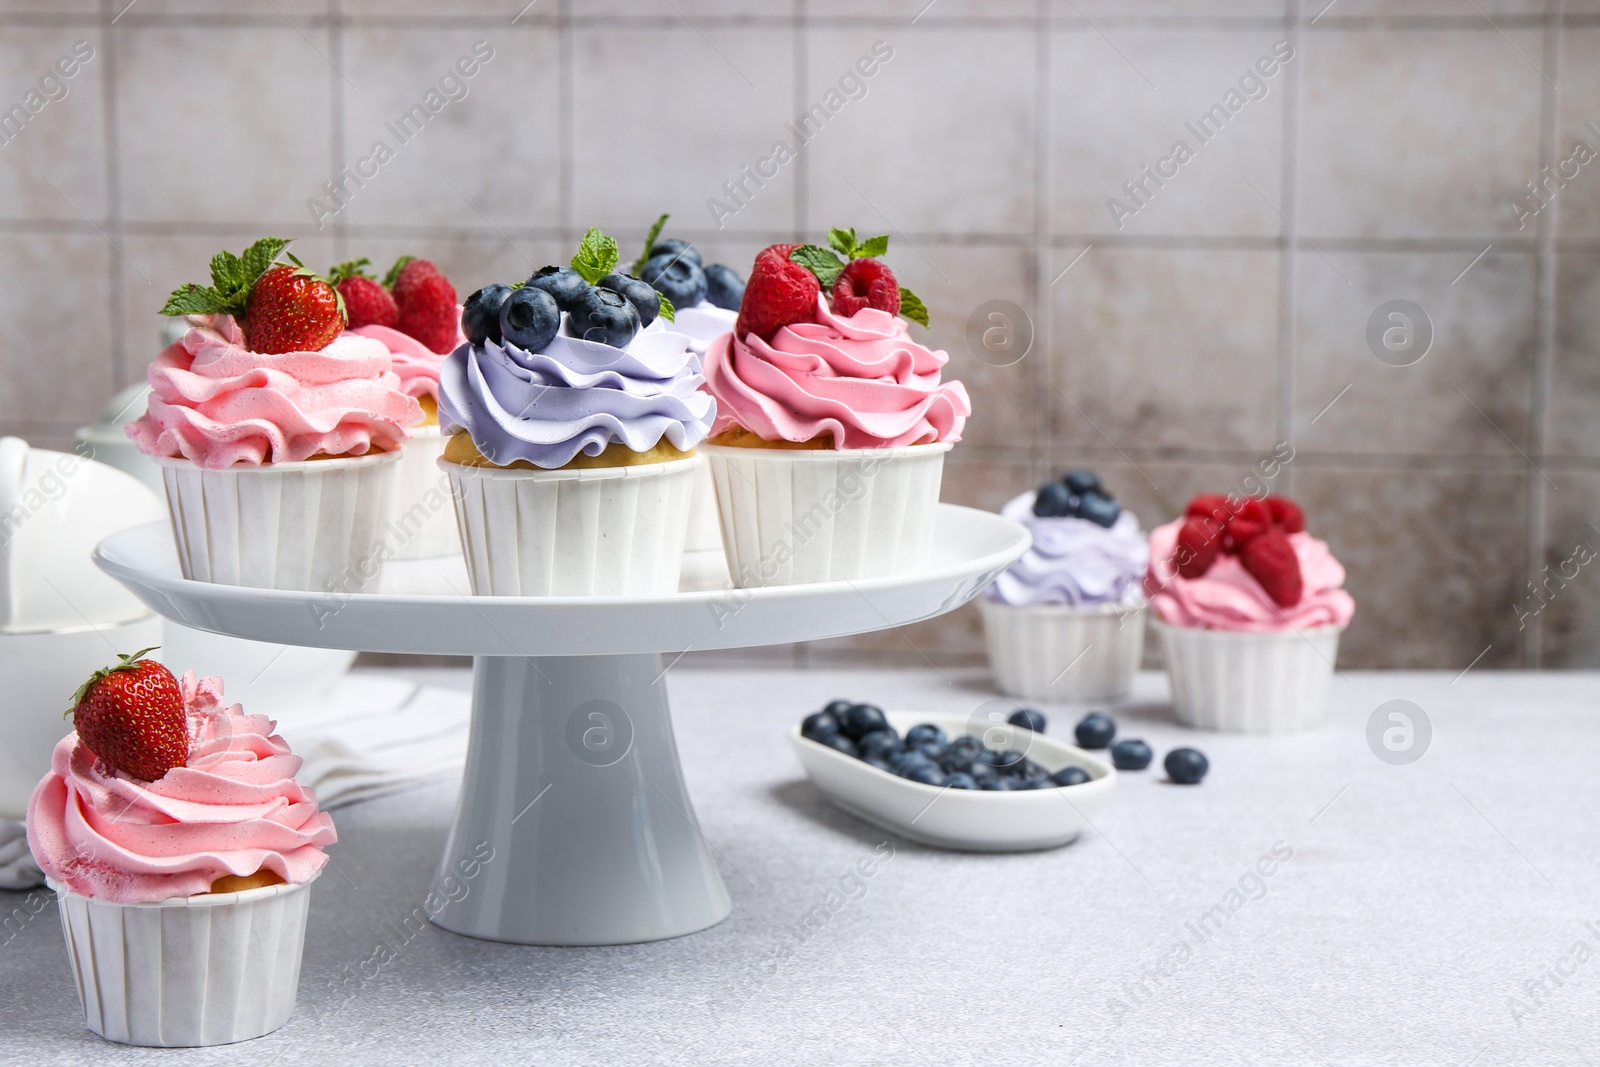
x: 194, y: 299
x: 819, y: 261
x: 843, y: 241
x: 872, y: 246
x: 259, y: 258
x: 649, y: 243
x: 912, y: 307
x: 394, y: 271
x: 668, y: 312
x: 597, y: 256
x: 227, y: 273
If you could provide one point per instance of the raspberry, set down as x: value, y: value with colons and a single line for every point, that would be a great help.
x: 368, y: 303
x: 1271, y: 560
x: 779, y: 293
x: 780, y: 252
x: 1241, y: 532
x: 1286, y: 514
x: 428, y: 312
x: 1252, y: 511
x: 1212, y: 506
x: 1196, y: 549
x: 865, y: 283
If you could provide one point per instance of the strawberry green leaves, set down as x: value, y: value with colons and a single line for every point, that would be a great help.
x: 597, y: 256
x: 231, y: 280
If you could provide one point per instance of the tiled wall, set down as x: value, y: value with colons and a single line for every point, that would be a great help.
x: 1226, y: 313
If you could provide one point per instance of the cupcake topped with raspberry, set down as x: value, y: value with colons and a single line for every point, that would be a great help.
x: 821, y: 356
x: 267, y: 372
x: 162, y: 790
x: 1246, y: 566
x: 1087, y: 549
x: 413, y: 311
x: 706, y: 296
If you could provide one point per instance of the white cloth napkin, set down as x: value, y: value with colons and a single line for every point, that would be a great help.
x: 372, y: 734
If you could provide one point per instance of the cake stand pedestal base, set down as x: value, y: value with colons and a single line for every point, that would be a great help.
x: 574, y: 793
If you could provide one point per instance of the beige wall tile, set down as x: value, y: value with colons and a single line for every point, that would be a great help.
x: 1113, y: 114
x: 1482, y: 353
x: 1417, y: 133
x: 1098, y: 9
x: 1165, y: 349
x: 63, y: 383
x: 1575, y: 373
x: 1578, y: 105
x: 1566, y: 604
x: 64, y: 143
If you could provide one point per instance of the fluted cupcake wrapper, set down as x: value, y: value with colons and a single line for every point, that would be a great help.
x: 421, y: 523
x: 603, y: 531
x: 1059, y: 652
x: 1249, y: 682
x: 314, y: 526
x: 202, y: 970
x: 795, y: 516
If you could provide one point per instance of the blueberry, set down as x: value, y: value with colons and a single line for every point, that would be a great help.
x: 604, y: 317
x: 1098, y: 509
x: 674, y: 247
x: 529, y: 319
x: 1028, y: 719
x: 480, y: 315
x: 1010, y: 762
x: 1070, y: 776
x: 563, y: 283
x: 837, y: 708
x: 724, y: 287
x: 992, y: 757
x: 982, y: 771
x: 1081, y: 482
x: 819, y: 725
x: 961, y: 753
x: 925, y: 731
x: 995, y: 784
x: 932, y: 750
x: 878, y: 744
x: 680, y: 279
x: 1052, y: 501
x: 861, y: 719
x: 1032, y: 771
x: 840, y: 744
x: 925, y: 773
x: 878, y: 763
x: 1186, y: 766
x: 645, y: 300
x: 910, y: 757
x: 958, y: 780
x: 1131, y: 755
x: 1095, y: 731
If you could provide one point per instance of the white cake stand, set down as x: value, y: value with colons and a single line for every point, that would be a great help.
x: 572, y: 774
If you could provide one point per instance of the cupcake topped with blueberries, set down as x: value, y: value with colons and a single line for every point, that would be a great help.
x: 1087, y: 550
x: 706, y: 296
x: 575, y: 367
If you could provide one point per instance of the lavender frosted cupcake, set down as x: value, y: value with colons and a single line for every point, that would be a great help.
x: 1066, y: 621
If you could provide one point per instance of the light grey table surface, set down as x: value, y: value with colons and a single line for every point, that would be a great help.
x: 1436, y: 913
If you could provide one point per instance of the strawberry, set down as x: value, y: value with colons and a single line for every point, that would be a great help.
x: 403, y: 277
x: 292, y: 310
x: 1196, y: 549
x: 1286, y: 514
x: 1271, y: 560
x: 779, y: 293
x: 1252, y: 510
x: 428, y: 310
x: 131, y: 717
x: 1208, y: 505
x: 865, y: 283
x: 365, y: 301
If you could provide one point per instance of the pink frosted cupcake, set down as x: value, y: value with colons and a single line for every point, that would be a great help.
x: 182, y: 852
x: 278, y: 432
x: 1249, y: 608
x: 832, y: 422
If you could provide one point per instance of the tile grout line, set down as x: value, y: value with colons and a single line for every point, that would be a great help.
x: 1044, y: 306
x: 566, y: 44
x: 1289, y: 262
x: 336, y: 122
x: 113, y: 174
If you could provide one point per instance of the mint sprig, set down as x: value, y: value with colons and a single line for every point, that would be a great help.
x: 912, y: 307
x: 667, y: 311
x: 231, y: 280
x: 819, y: 261
x: 597, y: 256
x: 649, y: 243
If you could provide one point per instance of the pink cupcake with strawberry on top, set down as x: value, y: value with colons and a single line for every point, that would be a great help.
x: 277, y: 430
x: 832, y: 420
x: 415, y: 314
x: 1249, y: 608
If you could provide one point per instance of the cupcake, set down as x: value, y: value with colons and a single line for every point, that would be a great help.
x: 414, y: 313
x: 1066, y: 621
x: 182, y: 852
x: 573, y: 415
x: 832, y: 422
x: 1249, y: 608
x: 277, y: 431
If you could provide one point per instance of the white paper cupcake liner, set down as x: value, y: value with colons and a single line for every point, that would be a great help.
x: 794, y: 516
x: 202, y: 970
x: 704, y: 564
x: 421, y: 522
x: 602, y: 531
x: 1249, y: 683
x: 314, y: 526
x: 1058, y: 652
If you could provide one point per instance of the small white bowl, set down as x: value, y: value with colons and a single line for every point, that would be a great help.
x: 967, y: 820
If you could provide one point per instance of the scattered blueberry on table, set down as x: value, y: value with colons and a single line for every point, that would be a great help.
x: 1186, y: 766
x: 1095, y: 731
x: 1131, y: 755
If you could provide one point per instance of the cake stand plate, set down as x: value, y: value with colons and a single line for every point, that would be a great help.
x: 574, y: 826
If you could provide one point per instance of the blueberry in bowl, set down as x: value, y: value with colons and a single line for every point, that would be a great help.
x: 878, y: 744
x: 1028, y: 719
x: 820, y: 725
x: 925, y: 731
x: 861, y: 719
x: 1070, y: 776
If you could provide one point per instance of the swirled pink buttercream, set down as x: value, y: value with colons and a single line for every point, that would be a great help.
x: 415, y: 363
